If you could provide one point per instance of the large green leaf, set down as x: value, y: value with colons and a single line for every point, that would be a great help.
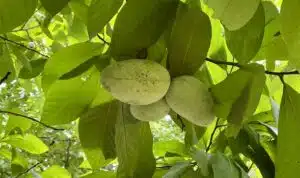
x: 67, y: 99
x: 234, y: 14
x: 28, y: 142
x: 99, y: 14
x: 6, y: 63
x: 223, y: 167
x: 16, y: 121
x: 54, y: 6
x: 290, y: 28
x: 190, y: 40
x: 139, y: 25
x: 288, y: 158
x: 163, y: 147
x: 133, y: 146
x: 67, y: 59
x: 37, y: 68
x: 56, y: 171
x: 177, y: 170
x: 97, y: 133
x: 245, y: 42
x: 15, y: 13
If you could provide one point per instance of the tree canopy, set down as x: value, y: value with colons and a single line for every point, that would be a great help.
x: 149, y: 88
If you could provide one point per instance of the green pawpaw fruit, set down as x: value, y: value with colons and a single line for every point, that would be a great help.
x: 136, y: 81
x: 190, y: 98
x: 151, y: 112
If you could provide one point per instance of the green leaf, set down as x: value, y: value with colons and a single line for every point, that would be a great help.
x: 99, y: 14
x: 19, y: 53
x: 97, y: 132
x: 234, y: 14
x: 245, y: 42
x: 54, y: 6
x: 67, y: 99
x: 133, y: 146
x: 5, y: 153
x: 178, y: 170
x: 6, y: 63
x: 56, y: 171
x: 163, y: 147
x: 104, y: 174
x: 78, y: 30
x: 80, y: 10
x: 18, y: 163
x: 223, y: 167
x: 67, y: 59
x: 202, y: 161
x: 20, y: 10
x: 37, y: 69
x: 190, y: 40
x: 139, y: 25
x: 288, y: 159
x: 28, y: 142
x: 290, y: 29
x: 16, y: 121
x: 234, y: 89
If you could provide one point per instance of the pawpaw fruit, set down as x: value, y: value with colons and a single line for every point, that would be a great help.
x: 151, y: 112
x: 191, y: 99
x: 136, y: 81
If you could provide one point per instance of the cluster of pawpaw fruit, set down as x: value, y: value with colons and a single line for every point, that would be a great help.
x: 150, y: 91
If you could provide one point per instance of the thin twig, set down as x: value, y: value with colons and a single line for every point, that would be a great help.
x: 102, y: 39
x: 212, y: 135
x: 294, y: 72
x: 5, y: 77
x: 68, y: 154
x: 27, y: 170
x: 23, y: 46
x: 32, y: 119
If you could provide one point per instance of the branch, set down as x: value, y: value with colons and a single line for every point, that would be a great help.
x: 102, y: 39
x: 32, y: 119
x: 5, y: 77
x: 68, y: 154
x: 26, y: 171
x: 280, y: 74
x: 212, y: 135
x: 23, y: 46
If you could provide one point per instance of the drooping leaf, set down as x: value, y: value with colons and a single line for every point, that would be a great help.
x: 37, y: 68
x: 28, y: 142
x: 139, y: 25
x: 133, y: 145
x: 223, y: 167
x: 19, y: 53
x: 20, y: 10
x: 66, y: 59
x: 6, y: 63
x: 245, y: 42
x: 99, y: 14
x: 288, y: 159
x: 67, y: 99
x: 177, y: 170
x: 234, y: 14
x: 54, y: 6
x: 290, y: 29
x: 202, y: 161
x: 56, y: 171
x: 97, y: 132
x: 190, y: 40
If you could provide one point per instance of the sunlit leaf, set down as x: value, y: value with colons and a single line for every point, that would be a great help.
x: 190, y: 40
x: 28, y: 142
x: 56, y: 171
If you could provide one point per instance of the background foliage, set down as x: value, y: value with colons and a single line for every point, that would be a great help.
x: 57, y: 120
